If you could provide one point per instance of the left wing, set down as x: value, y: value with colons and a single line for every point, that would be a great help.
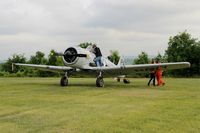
x: 127, y: 69
x: 45, y: 67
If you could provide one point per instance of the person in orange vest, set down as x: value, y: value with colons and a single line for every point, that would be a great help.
x: 159, y: 73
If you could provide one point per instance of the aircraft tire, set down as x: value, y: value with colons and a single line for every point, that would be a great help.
x: 118, y: 79
x: 126, y: 81
x: 99, y: 82
x: 64, y: 81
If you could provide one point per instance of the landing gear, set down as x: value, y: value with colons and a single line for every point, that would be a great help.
x: 99, y: 81
x: 123, y: 78
x: 126, y: 81
x: 64, y: 80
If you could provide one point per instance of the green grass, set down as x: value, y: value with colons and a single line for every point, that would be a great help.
x: 40, y: 105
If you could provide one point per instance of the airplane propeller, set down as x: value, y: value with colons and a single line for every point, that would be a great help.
x: 68, y: 54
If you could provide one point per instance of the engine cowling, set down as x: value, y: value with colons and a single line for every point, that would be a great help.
x: 70, y: 55
x: 77, y: 57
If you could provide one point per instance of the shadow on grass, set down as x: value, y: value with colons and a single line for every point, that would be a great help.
x: 80, y: 85
x: 90, y: 85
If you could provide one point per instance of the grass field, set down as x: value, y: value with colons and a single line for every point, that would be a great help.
x: 40, y: 105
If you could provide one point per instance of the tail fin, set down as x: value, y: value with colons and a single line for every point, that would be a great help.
x: 13, y: 67
x: 121, y: 62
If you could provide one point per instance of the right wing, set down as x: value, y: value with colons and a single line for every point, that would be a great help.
x: 139, y: 68
x: 45, y: 67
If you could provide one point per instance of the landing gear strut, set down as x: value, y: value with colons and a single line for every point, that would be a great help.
x: 99, y: 81
x: 64, y: 80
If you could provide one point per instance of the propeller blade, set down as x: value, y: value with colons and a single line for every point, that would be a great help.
x: 81, y: 55
x: 77, y: 55
x: 68, y: 54
x: 57, y: 54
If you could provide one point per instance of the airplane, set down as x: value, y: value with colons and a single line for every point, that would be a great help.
x: 77, y: 59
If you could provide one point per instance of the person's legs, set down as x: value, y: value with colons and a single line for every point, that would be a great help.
x: 95, y: 61
x: 151, y: 77
x: 158, y: 81
x: 154, y: 80
x: 162, y: 81
x: 98, y: 61
x: 149, y: 81
x: 157, y: 78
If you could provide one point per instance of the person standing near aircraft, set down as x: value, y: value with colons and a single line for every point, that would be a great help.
x: 98, y: 55
x: 159, y: 73
x: 152, y: 75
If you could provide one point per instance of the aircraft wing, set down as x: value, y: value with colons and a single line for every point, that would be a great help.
x: 45, y: 67
x: 127, y: 69
x: 115, y: 70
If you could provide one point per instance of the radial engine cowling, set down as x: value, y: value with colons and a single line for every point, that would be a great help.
x: 76, y: 57
x: 70, y: 55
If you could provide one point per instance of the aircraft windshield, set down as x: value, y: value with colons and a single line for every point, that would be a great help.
x: 89, y: 48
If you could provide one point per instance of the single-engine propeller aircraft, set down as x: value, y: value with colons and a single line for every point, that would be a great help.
x: 77, y: 59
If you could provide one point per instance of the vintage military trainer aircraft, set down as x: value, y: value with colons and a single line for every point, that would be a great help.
x: 77, y: 59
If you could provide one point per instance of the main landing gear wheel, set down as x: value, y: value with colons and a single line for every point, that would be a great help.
x: 126, y: 81
x: 64, y: 81
x: 118, y: 79
x: 100, y: 82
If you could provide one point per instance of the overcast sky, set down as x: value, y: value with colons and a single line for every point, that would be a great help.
x: 129, y: 26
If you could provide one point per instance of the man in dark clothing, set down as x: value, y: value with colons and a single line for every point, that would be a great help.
x: 152, y: 75
x: 98, y: 55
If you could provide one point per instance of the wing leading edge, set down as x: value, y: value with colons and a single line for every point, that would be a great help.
x: 127, y: 69
x: 115, y: 70
x: 45, y: 67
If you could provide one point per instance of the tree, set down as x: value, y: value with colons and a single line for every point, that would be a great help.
x: 85, y: 44
x: 16, y: 58
x: 183, y: 47
x: 1, y: 69
x: 55, y: 61
x: 114, y: 57
x: 38, y: 58
x: 160, y: 58
x: 142, y: 58
x: 52, y: 59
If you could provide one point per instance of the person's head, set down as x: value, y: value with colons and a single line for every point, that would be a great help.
x: 94, y: 45
x: 157, y: 61
x: 152, y: 61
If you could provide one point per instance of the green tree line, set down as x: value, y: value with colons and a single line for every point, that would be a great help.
x: 38, y: 58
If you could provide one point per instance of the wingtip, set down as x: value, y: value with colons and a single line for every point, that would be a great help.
x: 187, y: 63
x: 13, y: 66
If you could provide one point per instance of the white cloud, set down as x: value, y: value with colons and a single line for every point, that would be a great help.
x: 129, y: 26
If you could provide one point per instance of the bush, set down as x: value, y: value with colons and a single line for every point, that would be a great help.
x: 4, y: 74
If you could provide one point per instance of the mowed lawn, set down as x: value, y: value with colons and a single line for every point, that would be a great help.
x: 40, y: 105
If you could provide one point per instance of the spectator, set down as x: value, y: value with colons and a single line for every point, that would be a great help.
x: 152, y: 75
x: 159, y: 73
